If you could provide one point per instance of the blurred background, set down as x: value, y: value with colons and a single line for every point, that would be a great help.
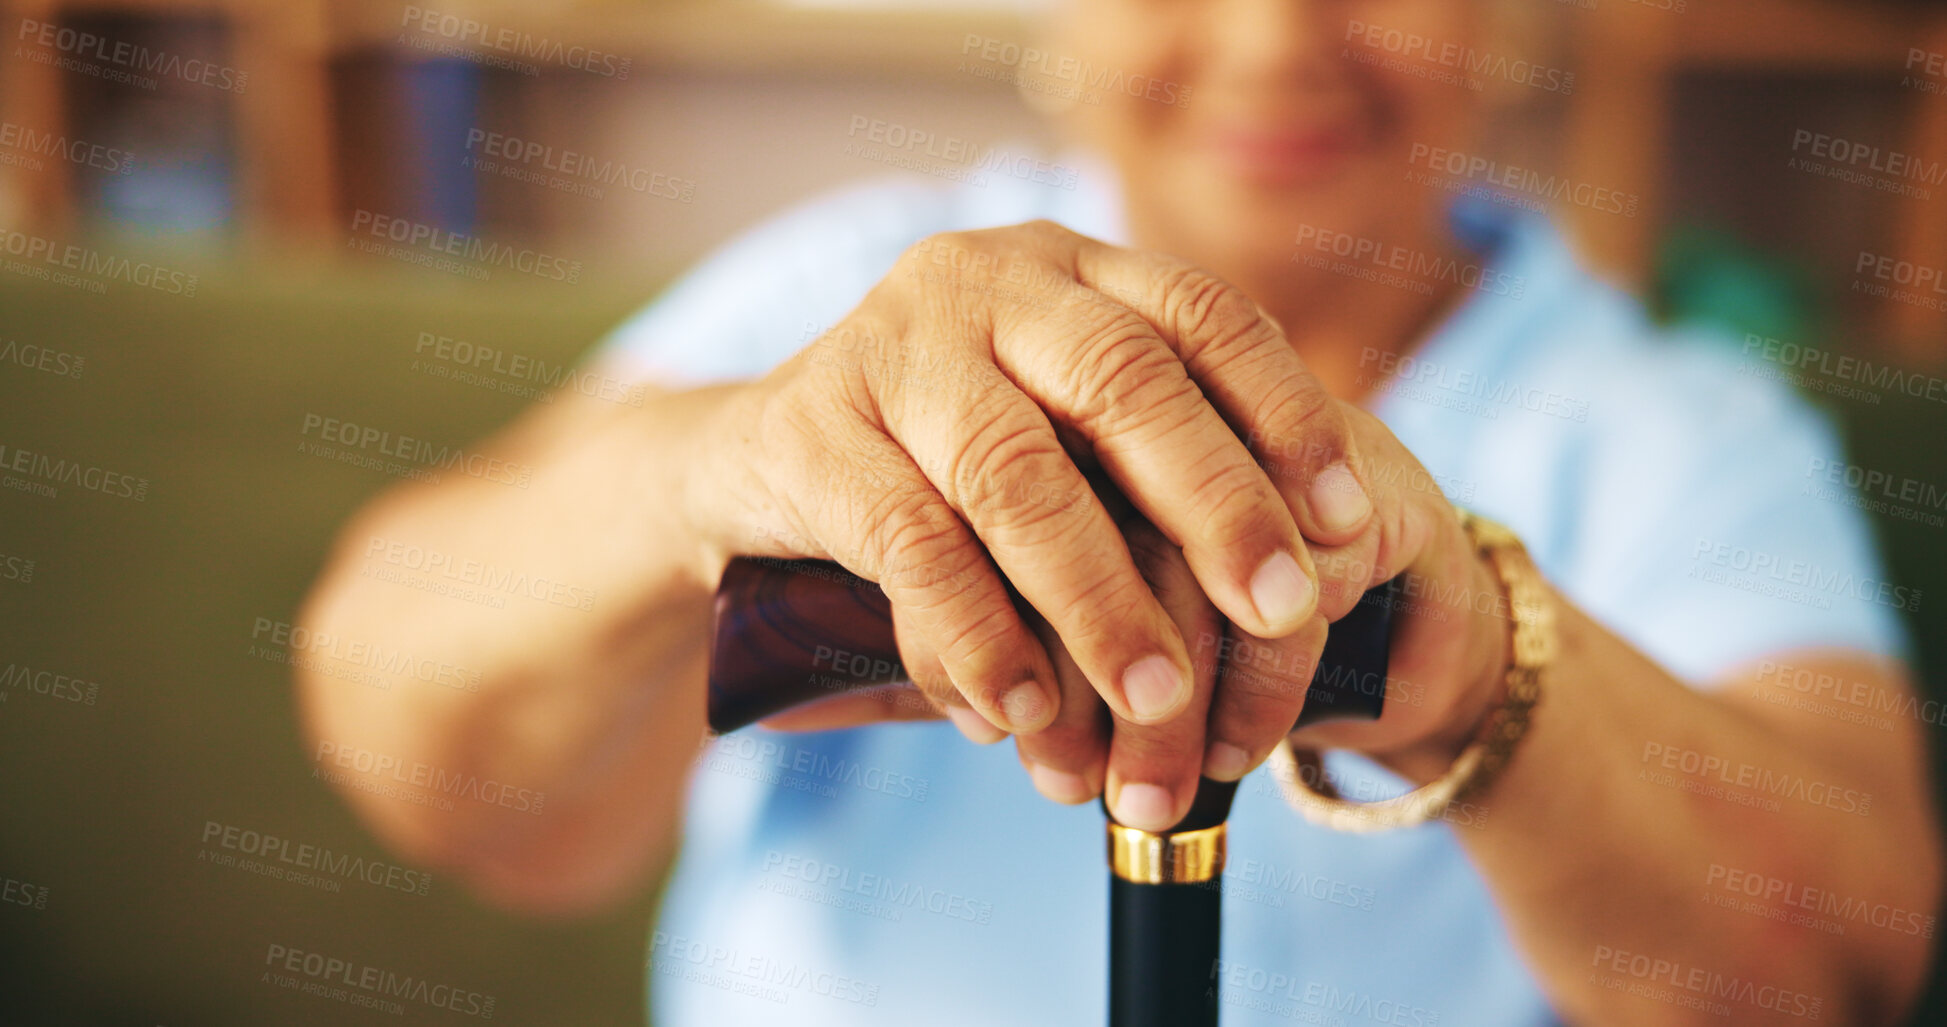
x: 182, y: 285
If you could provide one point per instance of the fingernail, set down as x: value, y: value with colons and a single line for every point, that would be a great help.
x: 1060, y: 785
x: 976, y: 727
x: 1280, y: 590
x: 1225, y: 762
x: 1024, y: 706
x: 1144, y: 807
x: 1153, y: 688
x: 1337, y: 500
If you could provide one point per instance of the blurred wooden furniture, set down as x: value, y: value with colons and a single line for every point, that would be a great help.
x: 287, y: 168
x: 290, y: 178
x: 1630, y: 55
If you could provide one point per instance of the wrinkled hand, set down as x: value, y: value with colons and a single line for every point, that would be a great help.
x: 941, y: 439
x: 1449, y: 651
x: 937, y: 439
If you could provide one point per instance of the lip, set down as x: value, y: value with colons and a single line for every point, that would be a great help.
x: 1282, y: 155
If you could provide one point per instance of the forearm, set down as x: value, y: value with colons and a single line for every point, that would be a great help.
x: 560, y: 630
x: 1598, y: 853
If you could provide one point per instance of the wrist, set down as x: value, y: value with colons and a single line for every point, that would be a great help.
x: 1485, y: 686
x: 719, y: 488
x: 1530, y: 648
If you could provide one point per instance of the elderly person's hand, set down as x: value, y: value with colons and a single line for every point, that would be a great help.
x: 1449, y: 654
x: 937, y: 441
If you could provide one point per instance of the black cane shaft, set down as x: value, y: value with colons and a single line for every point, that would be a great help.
x: 1163, y: 947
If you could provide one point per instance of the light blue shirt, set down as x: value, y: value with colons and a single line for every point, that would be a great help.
x: 900, y: 875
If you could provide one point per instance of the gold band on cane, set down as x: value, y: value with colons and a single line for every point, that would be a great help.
x: 1187, y: 857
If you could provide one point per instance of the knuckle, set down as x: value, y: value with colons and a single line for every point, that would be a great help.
x: 1121, y: 371
x: 908, y: 528
x: 1106, y: 607
x: 1231, y: 505
x: 1012, y: 472
x: 983, y: 629
x: 1213, y: 320
x: 1306, y: 431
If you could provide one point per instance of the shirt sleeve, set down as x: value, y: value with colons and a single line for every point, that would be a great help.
x: 1717, y: 517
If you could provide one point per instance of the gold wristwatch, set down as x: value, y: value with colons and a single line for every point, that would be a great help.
x: 1530, y: 606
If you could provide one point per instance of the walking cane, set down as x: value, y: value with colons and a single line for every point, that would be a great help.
x: 791, y: 631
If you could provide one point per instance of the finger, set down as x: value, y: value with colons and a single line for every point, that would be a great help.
x: 1104, y: 370
x: 1068, y: 759
x: 1261, y: 685
x: 1395, y: 535
x: 901, y: 533
x: 1153, y: 768
x: 1242, y: 361
x: 929, y: 678
x: 996, y: 459
x: 1241, y: 358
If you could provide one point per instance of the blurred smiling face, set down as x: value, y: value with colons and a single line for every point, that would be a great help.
x: 1291, y: 119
